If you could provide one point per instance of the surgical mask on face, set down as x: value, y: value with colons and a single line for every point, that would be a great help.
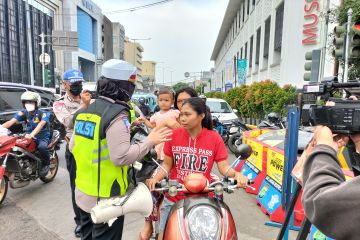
x: 76, y: 89
x: 30, y: 107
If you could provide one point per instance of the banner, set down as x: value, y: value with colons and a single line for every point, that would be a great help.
x: 242, y: 66
x: 228, y: 86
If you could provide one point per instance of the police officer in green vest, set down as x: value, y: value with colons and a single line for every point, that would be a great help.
x: 101, y: 147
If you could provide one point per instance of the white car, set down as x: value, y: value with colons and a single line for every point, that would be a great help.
x: 221, y: 109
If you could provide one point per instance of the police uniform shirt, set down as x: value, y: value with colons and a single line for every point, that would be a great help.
x: 33, y: 120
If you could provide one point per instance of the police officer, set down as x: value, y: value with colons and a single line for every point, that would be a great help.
x: 102, y: 149
x: 37, y: 126
x: 64, y: 109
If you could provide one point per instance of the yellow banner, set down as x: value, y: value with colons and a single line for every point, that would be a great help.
x: 275, y: 166
x: 257, y: 155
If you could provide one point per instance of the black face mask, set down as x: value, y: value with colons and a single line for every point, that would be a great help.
x: 76, y: 89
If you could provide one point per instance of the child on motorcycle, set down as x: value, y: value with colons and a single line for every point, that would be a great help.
x: 193, y: 148
x: 37, y: 126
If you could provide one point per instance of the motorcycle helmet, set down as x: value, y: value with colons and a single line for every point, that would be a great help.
x: 29, y: 96
x: 117, y: 80
x: 273, y: 117
x: 142, y: 100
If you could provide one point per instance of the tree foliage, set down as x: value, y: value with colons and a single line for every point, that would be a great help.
x: 179, y: 86
x: 258, y: 99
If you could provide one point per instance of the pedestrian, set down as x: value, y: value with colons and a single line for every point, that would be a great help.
x: 145, y: 109
x: 64, y: 110
x: 102, y: 149
x: 197, y: 141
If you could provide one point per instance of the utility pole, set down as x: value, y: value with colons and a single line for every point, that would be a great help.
x: 346, y: 68
x: 29, y: 40
x: 42, y: 43
x: 325, y: 34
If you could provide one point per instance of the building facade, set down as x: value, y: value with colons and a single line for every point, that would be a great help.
x: 272, y: 36
x: 148, y: 75
x: 84, y: 17
x: 133, y: 54
x: 107, y: 39
x: 118, y: 40
x: 21, y: 23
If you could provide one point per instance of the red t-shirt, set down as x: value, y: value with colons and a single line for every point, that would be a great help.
x: 194, y: 155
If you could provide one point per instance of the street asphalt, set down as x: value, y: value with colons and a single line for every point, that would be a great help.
x: 43, y: 211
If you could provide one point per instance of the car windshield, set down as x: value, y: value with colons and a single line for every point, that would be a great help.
x: 219, y: 107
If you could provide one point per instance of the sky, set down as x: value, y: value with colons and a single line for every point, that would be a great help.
x: 183, y: 32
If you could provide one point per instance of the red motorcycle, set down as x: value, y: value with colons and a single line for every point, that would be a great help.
x: 200, y: 215
x: 20, y: 162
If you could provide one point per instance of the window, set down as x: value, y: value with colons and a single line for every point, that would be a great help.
x: 241, y: 53
x: 248, y: 7
x: 267, y: 37
x: 279, y: 27
x: 246, y: 48
x: 243, y: 12
x: 253, y: 3
x: 240, y: 18
x: 251, y: 51
x: 258, y: 37
x: 10, y: 99
x: 218, y: 107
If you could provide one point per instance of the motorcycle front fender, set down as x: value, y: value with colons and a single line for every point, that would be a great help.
x: 175, y: 226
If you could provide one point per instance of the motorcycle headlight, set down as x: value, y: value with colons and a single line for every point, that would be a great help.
x: 203, y: 223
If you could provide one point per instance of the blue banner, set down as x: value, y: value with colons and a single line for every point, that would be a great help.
x: 228, y: 86
x: 242, y: 66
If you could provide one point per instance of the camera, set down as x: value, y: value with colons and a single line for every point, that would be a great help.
x: 342, y: 118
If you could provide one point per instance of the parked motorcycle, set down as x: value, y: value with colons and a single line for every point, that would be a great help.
x: 273, y: 122
x: 20, y: 162
x: 221, y: 129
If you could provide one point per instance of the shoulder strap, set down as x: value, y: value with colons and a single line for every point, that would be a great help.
x: 99, y: 151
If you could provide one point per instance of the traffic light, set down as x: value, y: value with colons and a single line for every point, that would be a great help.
x: 339, y: 42
x: 354, y: 42
x: 312, y: 65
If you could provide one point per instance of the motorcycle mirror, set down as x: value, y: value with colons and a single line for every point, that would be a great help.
x: 244, y: 150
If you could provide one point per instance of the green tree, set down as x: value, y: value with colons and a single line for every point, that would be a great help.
x: 179, y: 86
x: 341, y: 13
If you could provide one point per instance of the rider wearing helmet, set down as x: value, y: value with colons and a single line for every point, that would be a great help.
x: 102, y: 138
x: 37, y: 126
x: 145, y: 109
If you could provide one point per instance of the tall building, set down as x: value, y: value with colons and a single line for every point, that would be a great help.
x: 148, y: 75
x: 21, y: 23
x: 84, y: 17
x: 118, y: 40
x: 272, y: 36
x: 107, y: 39
x: 133, y: 54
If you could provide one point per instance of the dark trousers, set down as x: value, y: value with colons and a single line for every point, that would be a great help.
x: 71, y: 166
x: 91, y: 231
x: 42, y: 146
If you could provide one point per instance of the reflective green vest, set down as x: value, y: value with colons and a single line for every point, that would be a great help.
x: 89, y: 127
x: 132, y: 113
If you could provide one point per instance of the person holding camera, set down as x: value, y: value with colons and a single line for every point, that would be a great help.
x: 64, y: 110
x: 330, y: 202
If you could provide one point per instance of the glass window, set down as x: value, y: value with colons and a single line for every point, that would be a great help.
x: 258, y: 37
x: 267, y: 37
x: 279, y: 27
x: 219, y: 107
x: 251, y: 51
x: 10, y: 99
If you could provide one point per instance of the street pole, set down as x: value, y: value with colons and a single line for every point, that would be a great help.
x: 42, y: 43
x: 325, y: 34
x: 346, y: 68
x: 29, y: 38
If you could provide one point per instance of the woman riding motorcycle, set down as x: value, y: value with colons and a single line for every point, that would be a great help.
x: 193, y: 148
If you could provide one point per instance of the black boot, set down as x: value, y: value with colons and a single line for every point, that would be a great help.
x: 44, y: 170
